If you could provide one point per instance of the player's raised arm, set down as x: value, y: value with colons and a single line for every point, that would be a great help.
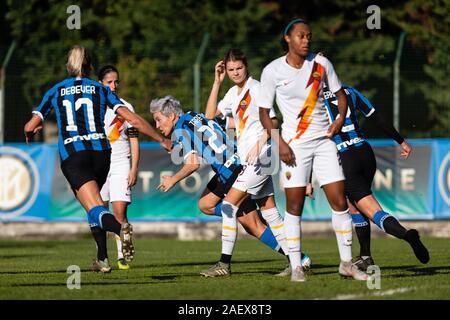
x: 211, y: 106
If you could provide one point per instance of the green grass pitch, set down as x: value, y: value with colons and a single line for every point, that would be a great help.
x: 168, y: 269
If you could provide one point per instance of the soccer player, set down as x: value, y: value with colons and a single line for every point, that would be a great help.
x: 197, y: 137
x: 359, y: 164
x: 296, y: 80
x: 80, y: 104
x: 122, y: 174
x: 239, y: 102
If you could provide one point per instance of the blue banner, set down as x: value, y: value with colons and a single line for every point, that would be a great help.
x: 26, y: 174
x: 439, y: 194
x: 32, y: 187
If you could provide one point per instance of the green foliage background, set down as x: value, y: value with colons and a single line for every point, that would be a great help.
x: 154, y: 44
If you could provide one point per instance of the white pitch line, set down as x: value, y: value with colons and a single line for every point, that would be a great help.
x: 374, y: 293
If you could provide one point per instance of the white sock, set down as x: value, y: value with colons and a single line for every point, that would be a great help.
x: 229, y: 227
x: 119, y: 247
x: 342, y: 225
x: 292, y: 227
x: 276, y: 224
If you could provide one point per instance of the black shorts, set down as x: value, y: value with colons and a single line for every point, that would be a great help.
x: 220, y: 188
x: 83, y: 166
x: 359, y: 165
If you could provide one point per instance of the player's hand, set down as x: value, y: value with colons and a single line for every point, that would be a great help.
x: 219, y: 71
x: 29, y: 134
x: 253, y: 154
x: 166, y: 184
x: 286, y: 153
x: 132, y: 178
x: 335, y: 127
x: 309, y: 191
x: 167, y: 145
x: 406, y: 149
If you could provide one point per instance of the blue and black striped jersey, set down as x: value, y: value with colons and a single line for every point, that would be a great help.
x: 222, y: 122
x: 193, y: 132
x: 80, y: 105
x: 350, y: 136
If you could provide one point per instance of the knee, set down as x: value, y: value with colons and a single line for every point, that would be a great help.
x: 205, y: 208
x: 340, y: 204
x: 294, y: 208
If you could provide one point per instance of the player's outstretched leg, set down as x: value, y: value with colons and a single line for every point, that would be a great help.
x: 392, y: 226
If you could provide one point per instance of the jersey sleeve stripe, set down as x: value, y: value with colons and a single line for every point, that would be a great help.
x: 370, y: 113
x: 117, y: 106
x: 39, y: 114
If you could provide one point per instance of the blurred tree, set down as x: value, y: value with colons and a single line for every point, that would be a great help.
x: 154, y: 44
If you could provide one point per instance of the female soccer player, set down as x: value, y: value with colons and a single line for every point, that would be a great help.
x: 359, y: 164
x: 196, y: 137
x: 296, y: 80
x: 240, y: 103
x: 122, y: 174
x: 80, y: 104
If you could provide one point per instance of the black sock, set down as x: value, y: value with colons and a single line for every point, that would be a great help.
x: 225, y: 258
x: 363, y: 234
x: 394, y: 228
x: 110, y: 223
x: 100, y: 239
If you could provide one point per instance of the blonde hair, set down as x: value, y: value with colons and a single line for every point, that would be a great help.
x: 78, y: 62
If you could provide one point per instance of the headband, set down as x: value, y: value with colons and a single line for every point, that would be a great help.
x: 290, y: 24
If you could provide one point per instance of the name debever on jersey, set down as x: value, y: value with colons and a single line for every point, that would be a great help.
x: 77, y: 90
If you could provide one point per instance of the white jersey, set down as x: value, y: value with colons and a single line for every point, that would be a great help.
x: 244, y: 109
x: 299, y: 95
x: 116, y: 131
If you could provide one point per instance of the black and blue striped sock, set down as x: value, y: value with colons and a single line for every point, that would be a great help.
x: 389, y: 224
x: 362, y: 228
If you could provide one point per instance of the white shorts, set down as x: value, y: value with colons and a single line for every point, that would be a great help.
x: 320, y: 156
x: 256, y: 179
x: 116, y: 185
